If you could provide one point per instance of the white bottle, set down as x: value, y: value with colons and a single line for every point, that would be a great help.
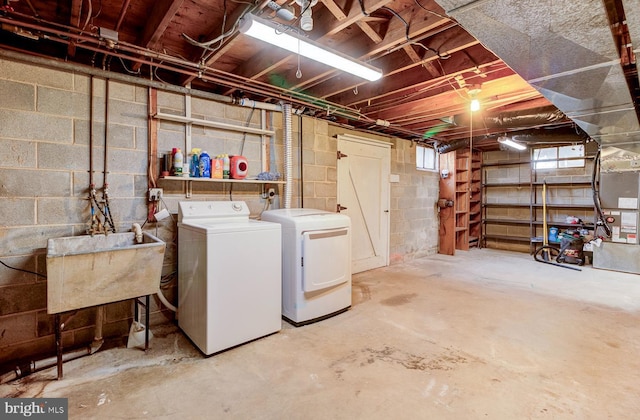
x: 226, y: 167
x: 178, y: 160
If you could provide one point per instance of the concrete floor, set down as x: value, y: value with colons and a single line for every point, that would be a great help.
x: 484, y: 334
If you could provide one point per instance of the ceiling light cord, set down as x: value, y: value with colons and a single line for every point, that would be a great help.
x: 299, y: 72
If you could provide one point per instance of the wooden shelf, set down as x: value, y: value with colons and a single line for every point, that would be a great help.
x: 527, y: 179
x: 562, y: 184
x: 507, y: 184
x: 506, y: 222
x: 237, y: 181
x: 539, y: 205
x: 509, y: 238
x: 460, y: 227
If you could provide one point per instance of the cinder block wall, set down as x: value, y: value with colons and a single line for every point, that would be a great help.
x: 44, y: 168
x: 414, y: 215
x: 44, y: 163
x: 216, y: 142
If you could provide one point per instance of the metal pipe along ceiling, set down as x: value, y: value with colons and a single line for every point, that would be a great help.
x: 566, y: 50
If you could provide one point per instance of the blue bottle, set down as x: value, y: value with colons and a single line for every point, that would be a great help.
x: 194, y: 164
x: 205, y: 165
x: 553, y: 234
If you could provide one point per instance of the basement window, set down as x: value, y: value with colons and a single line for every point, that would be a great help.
x: 426, y: 158
x: 559, y: 157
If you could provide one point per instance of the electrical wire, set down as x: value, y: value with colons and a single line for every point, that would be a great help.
x: 124, y: 66
x: 596, y: 195
x: 20, y: 269
x: 364, y: 12
x: 409, y: 41
x: 206, y: 45
x: 431, y: 11
x: 224, y: 23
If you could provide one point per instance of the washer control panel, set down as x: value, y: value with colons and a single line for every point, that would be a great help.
x: 205, y: 210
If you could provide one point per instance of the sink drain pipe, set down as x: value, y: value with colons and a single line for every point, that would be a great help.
x: 37, y: 365
x: 33, y: 366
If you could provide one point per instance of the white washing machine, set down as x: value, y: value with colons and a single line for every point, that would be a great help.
x: 229, y: 275
x: 316, y: 263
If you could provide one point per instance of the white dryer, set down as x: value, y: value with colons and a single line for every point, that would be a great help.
x: 316, y: 263
x: 229, y: 275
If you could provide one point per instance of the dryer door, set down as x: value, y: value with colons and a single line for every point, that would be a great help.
x: 326, y: 258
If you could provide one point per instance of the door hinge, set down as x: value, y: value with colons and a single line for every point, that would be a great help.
x: 341, y: 155
x: 301, y: 261
x: 339, y: 208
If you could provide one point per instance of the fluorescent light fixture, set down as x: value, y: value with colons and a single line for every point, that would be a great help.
x: 475, y: 105
x: 263, y: 30
x: 508, y: 142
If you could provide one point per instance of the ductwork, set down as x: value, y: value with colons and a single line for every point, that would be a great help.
x: 566, y: 135
x: 516, y: 119
x: 632, y: 14
x: 566, y: 50
x: 452, y: 145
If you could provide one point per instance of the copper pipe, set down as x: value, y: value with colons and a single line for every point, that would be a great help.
x: 123, y: 11
x: 197, y: 70
x: 33, y: 9
x: 194, y: 69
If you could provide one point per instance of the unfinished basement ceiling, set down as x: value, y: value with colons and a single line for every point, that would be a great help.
x: 541, y: 66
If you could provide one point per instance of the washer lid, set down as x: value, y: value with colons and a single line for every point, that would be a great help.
x: 307, y: 218
x: 215, y: 227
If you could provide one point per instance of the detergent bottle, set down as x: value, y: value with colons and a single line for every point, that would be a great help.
x: 194, y: 163
x: 205, y: 165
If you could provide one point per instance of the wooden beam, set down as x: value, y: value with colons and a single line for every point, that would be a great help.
x: 159, y: 18
x: 75, y: 12
x: 123, y: 13
x: 337, y: 12
x: 396, y: 68
x: 412, y: 54
x: 74, y: 20
x: 230, y: 41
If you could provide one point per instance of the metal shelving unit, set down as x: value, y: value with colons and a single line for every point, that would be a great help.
x: 534, y: 221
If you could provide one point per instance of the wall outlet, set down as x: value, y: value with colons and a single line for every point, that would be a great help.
x: 155, y: 194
